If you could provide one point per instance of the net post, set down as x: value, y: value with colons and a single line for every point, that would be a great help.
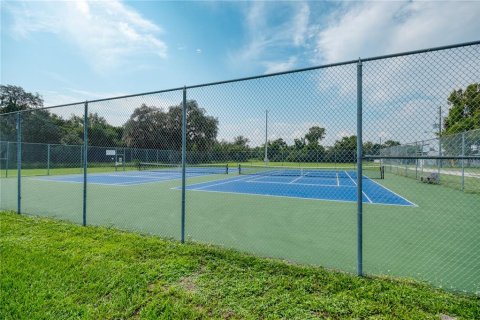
x: 85, y: 163
x: 48, y: 159
x: 463, y: 161
x: 359, y: 172
x: 184, y: 158
x: 19, y: 163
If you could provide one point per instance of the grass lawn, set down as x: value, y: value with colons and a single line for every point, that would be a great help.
x: 57, y: 270
x: 437, y: 241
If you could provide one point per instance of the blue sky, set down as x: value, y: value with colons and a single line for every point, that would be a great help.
x: 77, y: 50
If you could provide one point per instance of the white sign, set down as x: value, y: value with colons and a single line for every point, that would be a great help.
x: 111, y: 152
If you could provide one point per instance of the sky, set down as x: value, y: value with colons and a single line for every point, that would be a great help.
x: 72, y: 51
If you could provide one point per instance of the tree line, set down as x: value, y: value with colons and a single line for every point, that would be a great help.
x: 155, y: 128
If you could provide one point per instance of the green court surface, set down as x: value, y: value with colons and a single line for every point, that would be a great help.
x: 437, y: 242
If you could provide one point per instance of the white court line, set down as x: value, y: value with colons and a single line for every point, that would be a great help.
x: 258, y: 178
x: 122, y: 184
x: 295, y: 197
x: 215, y: 184
x: 392, y: 192
x: 295, y: 179
x: 338, y: 180
x: 301, y: 184
x: 125, y: 176
x: 362, y: 190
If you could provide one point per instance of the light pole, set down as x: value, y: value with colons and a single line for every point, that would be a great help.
x: 266, y: 137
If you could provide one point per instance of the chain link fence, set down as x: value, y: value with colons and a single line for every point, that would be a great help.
x: 369, y: 167
x: 456, y: 172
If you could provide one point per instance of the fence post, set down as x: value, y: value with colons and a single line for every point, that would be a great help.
x: 463, y: 161
x: 439, y: 141
x: 85, y: 163
x: 48, y: 159
x: 19, y: 163
x: 184, y: 158
x: 422, y: 161
x: 81, y: 155
x: 6, y: 160
x: 359, y: 172
x: 416, y: 160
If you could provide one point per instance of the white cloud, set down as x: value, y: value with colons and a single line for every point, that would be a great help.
x: 107, y: 33
x: 272, y: 67
x: 374, y: 28
x: 273, y: 28
x: 199, y: 51
x: 300, y: 27
x: 115, y: 111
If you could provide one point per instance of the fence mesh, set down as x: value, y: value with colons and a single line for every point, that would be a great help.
x: 270, y: 165
x: 457, y: 173
x: 411, y: 103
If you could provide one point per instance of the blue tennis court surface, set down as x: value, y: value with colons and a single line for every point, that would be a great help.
x: 339, y: 188
x: 332, y: 187
x: 123, y: 178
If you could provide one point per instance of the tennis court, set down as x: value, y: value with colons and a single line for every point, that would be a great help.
x: 328, y: 184
x: 146, y: 173
x: 292, y: 142
x: 332, y: 184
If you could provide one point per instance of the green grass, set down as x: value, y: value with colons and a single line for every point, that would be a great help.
x: 437, y: 241
x: 447, y: 176
x: 97, y: 168
x: 57, y: 270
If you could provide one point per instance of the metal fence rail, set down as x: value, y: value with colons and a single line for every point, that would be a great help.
x: 337, y: 165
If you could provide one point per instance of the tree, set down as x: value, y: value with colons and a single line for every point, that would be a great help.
x: 390, y: 143
x: 370, y: 148
x: 276, y: 150
x: 314, y: 135
x: 238, y: 150
x: 241, y: 142
x: 146, y: 128
x: 100, y: 133
x: 41, y: 126
x: 464, y: 113
x: 299, y: 144
x: 14, y: 98
x: 345, y: 149
x: 151, y: 127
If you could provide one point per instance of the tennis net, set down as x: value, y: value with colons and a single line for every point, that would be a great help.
x: 372, y: 172
x: 196, y: 168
